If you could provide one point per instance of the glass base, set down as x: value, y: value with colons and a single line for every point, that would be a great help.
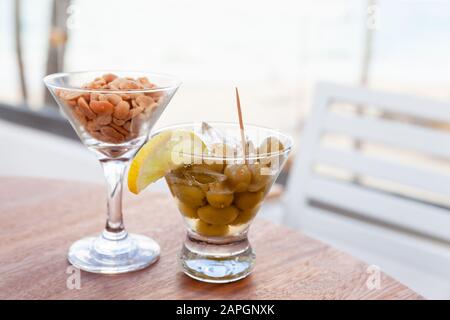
x: 113, y: 253
x: 217, y: 263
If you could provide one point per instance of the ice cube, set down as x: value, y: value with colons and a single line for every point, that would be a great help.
x: 211, y: 135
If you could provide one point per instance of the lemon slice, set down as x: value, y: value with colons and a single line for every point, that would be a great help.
x: 164, y: 152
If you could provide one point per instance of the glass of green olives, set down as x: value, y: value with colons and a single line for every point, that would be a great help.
x: 218, y: 192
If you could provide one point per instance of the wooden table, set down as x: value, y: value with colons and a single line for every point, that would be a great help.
x: 39, y: 220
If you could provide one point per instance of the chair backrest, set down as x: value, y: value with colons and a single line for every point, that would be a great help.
x: 373, y: 166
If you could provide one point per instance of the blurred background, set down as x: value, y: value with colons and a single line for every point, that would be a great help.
x: 276, y: 52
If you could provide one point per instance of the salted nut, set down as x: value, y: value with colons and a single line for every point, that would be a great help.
x: 113, y: 117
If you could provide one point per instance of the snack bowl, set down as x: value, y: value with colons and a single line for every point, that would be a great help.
x: 219, y: 191
x: 113, y: 112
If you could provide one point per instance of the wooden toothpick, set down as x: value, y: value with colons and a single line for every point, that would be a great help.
x: 241, y: 125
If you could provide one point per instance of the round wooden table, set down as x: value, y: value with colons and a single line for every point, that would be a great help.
x: 41, y: 218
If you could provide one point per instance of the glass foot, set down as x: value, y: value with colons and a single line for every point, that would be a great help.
x: 114, y: 253
x: 217, y: 263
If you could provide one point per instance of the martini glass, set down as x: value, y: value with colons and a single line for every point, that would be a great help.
x: 113, y: 121
x: 219, y: 193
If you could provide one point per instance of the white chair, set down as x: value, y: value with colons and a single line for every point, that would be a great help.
x: 372, y: 177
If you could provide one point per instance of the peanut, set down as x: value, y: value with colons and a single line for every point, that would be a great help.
x: 145, y: 82
x: 79, y: 115
x: 122, y: 109
x: 125, y: 96
x: 136, y: 123
x: 144, y: 101
x: 109, y: 77
x: 113, y: 98
x: 84, y: 107
x: 136, y: 111
x: 112, y: 117
x: 127, y: 125
x: 67, y: 95
x: 94, y: 96
x: 111, y: 133
x: 118, y: 122
x: 128, y: 84
x: 71, y: 103
x: 103, y: 120
x: 92, y: 126
x: 101, y: 107
x: 119, y: 129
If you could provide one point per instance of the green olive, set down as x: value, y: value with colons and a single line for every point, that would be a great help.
x: 204, y: 173
x: 187, y: 210
x: 248, y: 200
x: 190, y: 195
x: 245, y: 216
x: 219, y: 200
x: 238, y: 177
x: 217, y: 216
x: 259, y: 180
x: 209, y: 230
x: 217, y: 166
x: 213, y: 164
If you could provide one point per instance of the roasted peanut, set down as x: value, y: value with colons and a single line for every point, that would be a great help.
x: 79, y: 115
x: 109, y: 77
x: 129, y: 85
x: 68, y: 95
x: 111, y: 133
x: 71, y: 103
x: 136, y: 111
x: 101, y: 107
x: 118, y: 122
x: 113, y: 98
x: 144, y: 101
x: 92, y: 126
x: 145, y: 82
x: 84, y: 107
x: 122, y: 110
x: 93, y: 96
x: 127, y: 125
x: 103, y: 120
x: 136, y: 123
x: 111, y: 117
x: 119, y: 129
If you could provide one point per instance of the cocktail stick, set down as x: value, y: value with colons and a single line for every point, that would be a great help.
x: 241, y: 125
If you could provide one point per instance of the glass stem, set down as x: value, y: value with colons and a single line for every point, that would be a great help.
x: 114, y: 170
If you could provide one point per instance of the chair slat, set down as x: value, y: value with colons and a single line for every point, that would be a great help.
x: 420, y: 107
x: 361, y: 164
x: 391, y: 133
x: 426, y: 219
x: 413, y: 250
